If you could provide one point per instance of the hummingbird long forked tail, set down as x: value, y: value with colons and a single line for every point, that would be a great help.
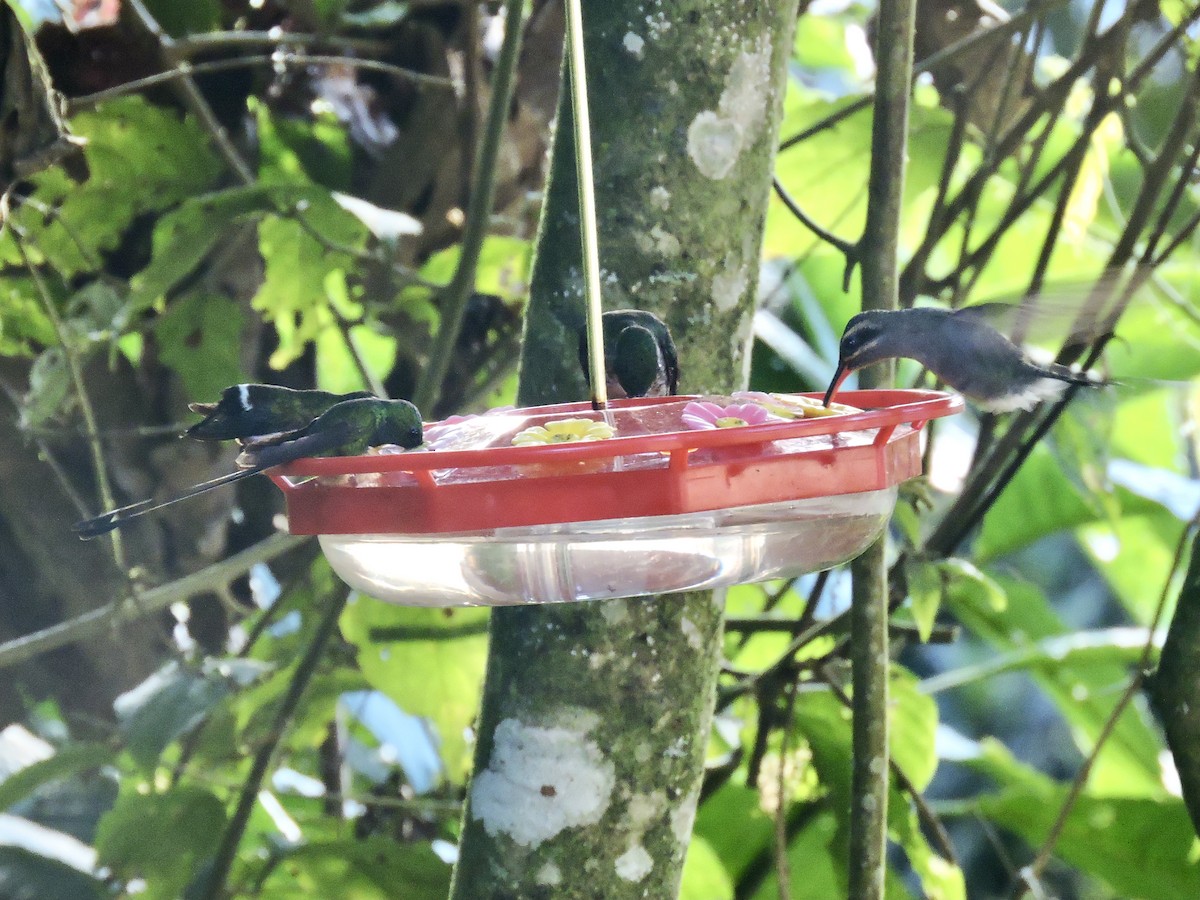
x: 122, y: 516
x: 346, y: 428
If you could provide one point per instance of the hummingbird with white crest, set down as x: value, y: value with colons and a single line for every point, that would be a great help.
x: 247, y: 412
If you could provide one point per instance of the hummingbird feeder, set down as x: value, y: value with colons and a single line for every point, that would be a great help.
x: 658, y: 506
x: 582, y: 501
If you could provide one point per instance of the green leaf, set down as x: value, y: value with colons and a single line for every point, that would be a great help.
x: 940, y: 878
x: 49, y: 389
x: 376, y: 868
x: 1140, y: 847
x: 1084, y: 691
x: 24, y: 325
x: 828, y: 172
x: 437, y: 673
x: 737, y: 848
x: 294, y: 294
x: 165, y: 706
x: 924, y: 594
x: 912, y: 725
x: 70, y: 760
x: 815, y: 870
x: 185, y: 236
x: 141, y: 158
x: 704, y: 877
x: 1126, y: 550
x: 200, y: 337
x: 25, y: 875
x: 162, y: 838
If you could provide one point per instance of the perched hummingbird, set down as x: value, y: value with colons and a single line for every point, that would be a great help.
x: 347, y: 428
x: 249, y: 411
x: 639, y: 355
x: 962, y: 348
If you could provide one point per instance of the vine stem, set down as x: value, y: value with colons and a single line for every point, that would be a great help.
x: 479, y: 211
x: 81, y: 395
x: 587, y: 205
x: 869, y: 649
x: 305, y: 669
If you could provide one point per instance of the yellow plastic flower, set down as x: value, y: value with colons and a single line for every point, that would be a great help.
x: 563, y: 431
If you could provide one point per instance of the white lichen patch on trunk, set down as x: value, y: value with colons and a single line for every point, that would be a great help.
x: 730, y: 283
x: 691, y: 633
x: 634, y: 864
x: 549, y: 874
x: 717, y: 138
x: 684, y: 816
x: 541, y: 780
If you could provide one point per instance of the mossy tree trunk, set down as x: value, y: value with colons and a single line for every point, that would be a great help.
x: 596, y: 716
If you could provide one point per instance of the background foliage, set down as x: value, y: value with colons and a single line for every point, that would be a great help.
x: 292, y: 213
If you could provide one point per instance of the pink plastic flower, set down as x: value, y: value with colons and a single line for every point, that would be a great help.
x: 704, y: 414
x: 793, y: 406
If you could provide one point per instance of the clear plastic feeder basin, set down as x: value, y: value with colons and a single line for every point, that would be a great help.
x: 657, y: 507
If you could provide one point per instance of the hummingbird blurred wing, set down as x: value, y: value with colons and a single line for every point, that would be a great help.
x: 1069, y: 314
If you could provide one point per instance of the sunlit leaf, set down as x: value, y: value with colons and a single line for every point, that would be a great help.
x: 429, y: 661
x: 162, y: 838
x: 376, y: 868
x: 200, y: 338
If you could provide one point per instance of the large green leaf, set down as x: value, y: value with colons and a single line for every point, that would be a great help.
x: 376, y: 868
x: 165, y: 706
x: 70, y: 760
x: 141, y: 158
x: 704, y: 875
x: 162, y: 838
x: 1140, y: 847
x: 737, y: 847
x: 1084, y: 690
x: 294, y: 294
x: 429, y: 661
x: 200, y: 338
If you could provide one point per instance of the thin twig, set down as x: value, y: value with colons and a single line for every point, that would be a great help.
x: 193, y: 44
x: 281, y: 59
x: 783, y: 870
x: 479, y: 211
x: 1031, y: 873
x: 149, y: 601
x: 846, y: 248
x: 79, y: 385
x: 305, y: 669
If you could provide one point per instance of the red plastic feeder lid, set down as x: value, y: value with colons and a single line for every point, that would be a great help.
x: 654, y: 465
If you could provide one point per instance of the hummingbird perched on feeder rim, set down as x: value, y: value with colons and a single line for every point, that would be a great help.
x: 639, y: 355
x: 247, y: 412
x: 962, y: 348
x: 347, y: 428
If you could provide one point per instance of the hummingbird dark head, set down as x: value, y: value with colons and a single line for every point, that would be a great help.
x: 400, y: 424
x: 639, y: 355
x: 864, y: 342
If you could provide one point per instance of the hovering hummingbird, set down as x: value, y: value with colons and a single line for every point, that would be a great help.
x: 962, y: 348
x: 347, y: 428
x: 249, y: 411
x: 639, y: 355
